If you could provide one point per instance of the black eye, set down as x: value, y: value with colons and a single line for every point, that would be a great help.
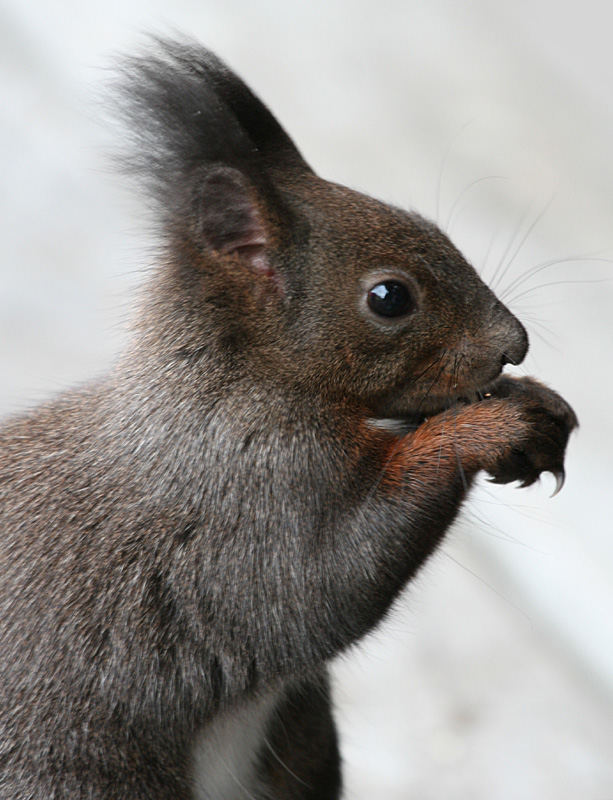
x: 390, y: 299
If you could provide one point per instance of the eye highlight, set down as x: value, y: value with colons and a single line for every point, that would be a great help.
x: 390, y: 298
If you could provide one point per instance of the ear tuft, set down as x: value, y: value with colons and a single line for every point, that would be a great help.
x: 185, y: 109
x: 212, y: 157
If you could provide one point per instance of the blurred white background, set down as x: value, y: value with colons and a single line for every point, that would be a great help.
x: 493, y: 678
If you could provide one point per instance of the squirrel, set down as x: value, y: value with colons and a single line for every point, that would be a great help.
x: 313, y: 381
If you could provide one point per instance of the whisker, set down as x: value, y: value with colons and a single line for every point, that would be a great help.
x: 525, y: 237
x: 528, y: 291
x: 529, y: 273
x: 484, y: 525
x: 524, y: 510
x: 429, y: 367
x: 426, y: 394
x: 489, y: 585
x: 458, y: 454
x: 284, y: 765
x: 488, y: 252
x: 545, y: 339
x: 532, y: 320
x: 465, y: 191
x: 507, y: 250
x: 450, y: 146
x: 456, y: 408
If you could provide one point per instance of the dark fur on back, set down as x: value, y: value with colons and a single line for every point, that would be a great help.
x: 244, y: 494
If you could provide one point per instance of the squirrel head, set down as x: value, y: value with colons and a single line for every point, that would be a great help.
x: 279, y: 274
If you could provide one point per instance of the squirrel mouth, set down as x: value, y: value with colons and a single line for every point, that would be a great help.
x: 402, y: 422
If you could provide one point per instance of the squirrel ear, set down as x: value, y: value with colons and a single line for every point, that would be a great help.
x: 225, y: 217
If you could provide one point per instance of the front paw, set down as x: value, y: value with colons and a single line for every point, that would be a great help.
x: 547, y: 421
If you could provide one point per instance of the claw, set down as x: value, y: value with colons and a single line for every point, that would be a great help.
x: 560, y: 476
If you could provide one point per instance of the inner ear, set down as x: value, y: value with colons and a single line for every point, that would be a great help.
x: 226, y: 218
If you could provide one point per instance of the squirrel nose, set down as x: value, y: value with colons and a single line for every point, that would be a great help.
x: 511, y: 335
x: 516, y: 347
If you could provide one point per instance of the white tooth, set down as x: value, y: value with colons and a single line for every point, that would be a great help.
x: 398, y: 427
